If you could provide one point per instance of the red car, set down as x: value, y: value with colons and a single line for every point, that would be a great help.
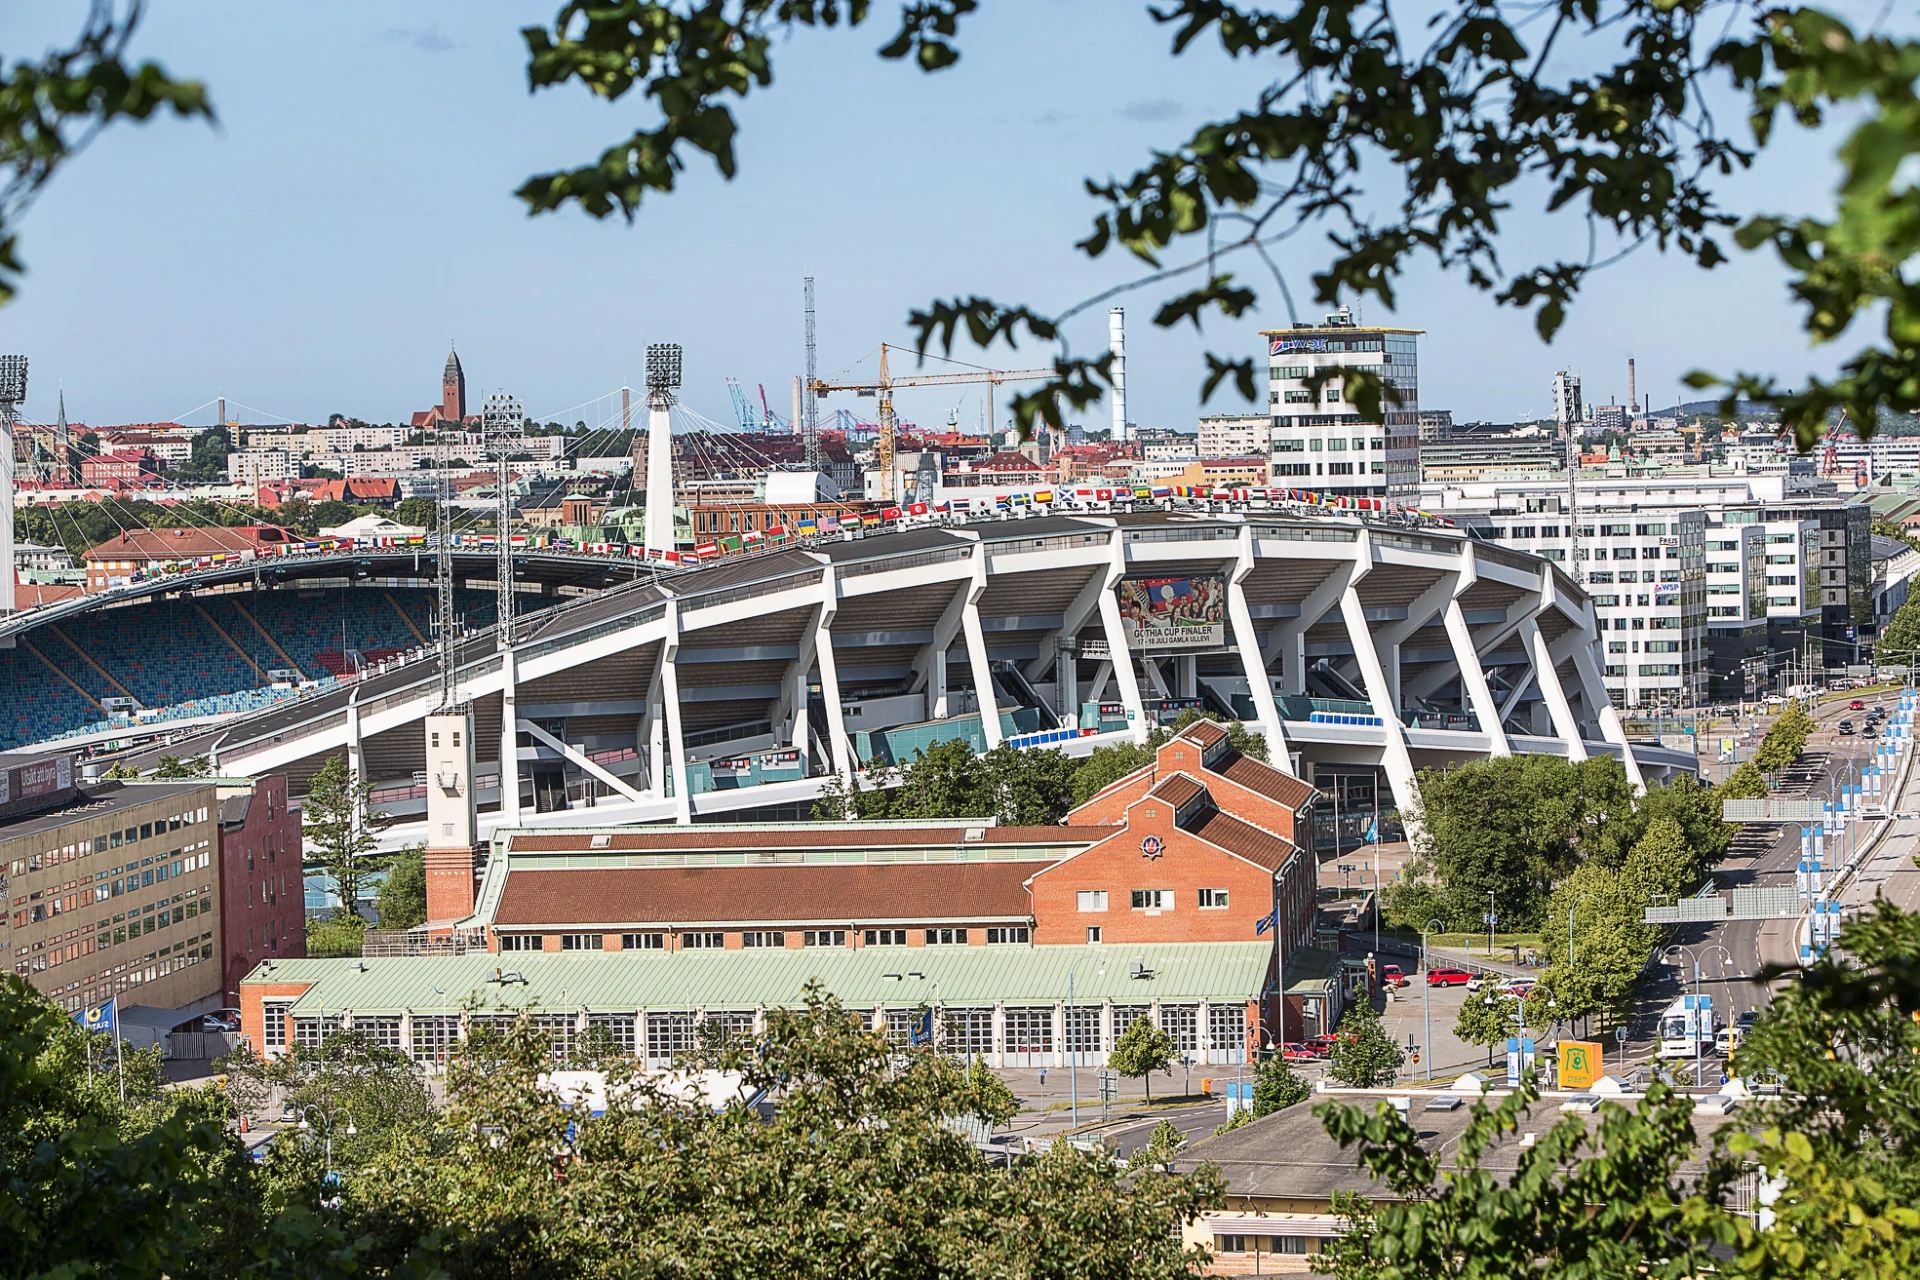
x: 1298, y: 1053
x: 1448, y: 977
x: 1323, y: 1045
x: 1391, y: 976
x: 1856, y: 705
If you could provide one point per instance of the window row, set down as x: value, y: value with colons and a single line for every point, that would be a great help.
x: 763, y: 938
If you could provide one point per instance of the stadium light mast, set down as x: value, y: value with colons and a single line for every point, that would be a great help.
x: 663, y: 379
x: 13, y: 390
x: 506, y: 424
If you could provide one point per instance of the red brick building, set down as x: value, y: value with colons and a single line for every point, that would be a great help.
x: 126, y: 466
x: 262, y: 894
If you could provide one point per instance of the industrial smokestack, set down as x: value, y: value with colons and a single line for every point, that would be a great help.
x: 626, y: 408
x: 1633, y: 398
x: 1117, y: 340
x: 223, y: 411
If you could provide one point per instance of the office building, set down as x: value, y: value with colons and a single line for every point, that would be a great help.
x: 1321, y: 440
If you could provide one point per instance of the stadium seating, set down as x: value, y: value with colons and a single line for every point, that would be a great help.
x: 205, y: 655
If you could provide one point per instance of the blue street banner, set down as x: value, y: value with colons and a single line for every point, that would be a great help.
x: 99, y: 1017
x: 1268, y: 921
x: 923, y: 1029
x: 1373, y: 832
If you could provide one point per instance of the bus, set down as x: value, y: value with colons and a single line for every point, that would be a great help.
x: 1687, y: 1027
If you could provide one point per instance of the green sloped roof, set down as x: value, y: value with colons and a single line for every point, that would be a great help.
x: 617, y: 981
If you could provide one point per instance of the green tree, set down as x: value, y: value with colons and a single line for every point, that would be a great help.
x: 1610, y: 941
x: 1487, y: 1017
x: 1276, y: 1087
x: 402, y: 898
x: 1032, y: 786
x: 175, y: 767
x: 1620, y: 144
x: 1239, y: 737
x: 1661, y: 866
x: 1162, y: 1145
x: 421, y: 513
x: 1141, y: 1050
x: 1901, y: 636
x: 1744, y: 783
x: 1785, y: 740
x: 986, y: 1095
x: 1105, y: 766
x: 1364, y: 1055
x: 341, y: 832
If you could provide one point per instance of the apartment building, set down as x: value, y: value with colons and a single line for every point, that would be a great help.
x: 1756, y: 567
x: 1320, y: 440
x: 1234, y: 435
x: 261, y: 466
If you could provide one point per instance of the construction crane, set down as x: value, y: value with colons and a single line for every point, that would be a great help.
x: 768, y: 417
x: 743, y: 407
x: 883, y: 445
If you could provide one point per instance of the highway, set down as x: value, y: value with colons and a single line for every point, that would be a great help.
x: 1765, y: 855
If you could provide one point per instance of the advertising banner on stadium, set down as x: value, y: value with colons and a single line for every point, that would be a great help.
x: 1169, y: 614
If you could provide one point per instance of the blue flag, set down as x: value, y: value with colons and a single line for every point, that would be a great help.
x: 99, y: 1017
x: 1373, y: 832
x: 1268, y: 921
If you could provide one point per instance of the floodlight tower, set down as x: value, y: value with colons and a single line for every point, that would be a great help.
x: 506, y: 424
x: 663, y: 379
x: 13, y: 390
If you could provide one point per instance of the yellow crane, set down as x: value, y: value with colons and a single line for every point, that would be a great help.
x: 883, y: 447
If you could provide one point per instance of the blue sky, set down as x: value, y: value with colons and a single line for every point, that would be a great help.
x: 353, y: 212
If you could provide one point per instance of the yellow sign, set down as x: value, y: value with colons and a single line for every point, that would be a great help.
x: 1580, y: 1063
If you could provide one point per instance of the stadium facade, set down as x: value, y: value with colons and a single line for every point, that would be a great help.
x: 1363, y: 648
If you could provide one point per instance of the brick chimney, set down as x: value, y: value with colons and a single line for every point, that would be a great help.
x: 451, y: 825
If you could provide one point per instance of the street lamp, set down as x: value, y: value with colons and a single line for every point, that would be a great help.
x: 1427, y: 995
x: 327, y: 1115
x: 1073, y: 1062
x: 1696, y: 995
x: 1492, y: 917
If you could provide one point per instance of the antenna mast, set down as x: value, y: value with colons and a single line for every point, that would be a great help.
x: 809, y: 406
x: 506, y: 424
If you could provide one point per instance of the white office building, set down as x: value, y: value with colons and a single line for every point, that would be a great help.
x: 1320, y: 440
x: 1234, y: 436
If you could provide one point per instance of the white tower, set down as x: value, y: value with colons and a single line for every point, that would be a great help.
x: 663, y: 377
x: 1117, y: 341
x: 450, y: 813
x: 1567, y: 406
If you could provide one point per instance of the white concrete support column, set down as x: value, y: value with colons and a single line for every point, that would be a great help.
x: 659, y: 473
x: 1564, y: 725
x: 1373, y: 678
x: 509, y: 740
x: 573, y: 753
x: 670, y: 694
x: 1059, y: 1033
x: 1473, y: 679
x: 1072, y: 618
x: 1594, y: 690
x: 932, y: 658
x: 791, y: 714
x: 1252, y: 657
x: 1203, y: 1032
x: 1122, y: 655
x: 1287, y: 642
x: 1067, y: 690
x: 356, y: 746
x: 977, y: 648
x: 998, y: 1052
x: 836, y: 725
x: 1186, y: 675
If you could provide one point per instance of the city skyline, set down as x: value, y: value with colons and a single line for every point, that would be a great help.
x: 325, y: 248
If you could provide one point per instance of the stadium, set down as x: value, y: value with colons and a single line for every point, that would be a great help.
x: 1363, y: 646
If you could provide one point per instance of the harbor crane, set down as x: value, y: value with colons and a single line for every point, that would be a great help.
x: 883, y: 446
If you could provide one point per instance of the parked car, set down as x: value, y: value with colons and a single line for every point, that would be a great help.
x: 1323, y: 1045
x: 1448, y: 978
x: 1298, y: 1053
x: 1390, y: 976
x: 1520, y: 989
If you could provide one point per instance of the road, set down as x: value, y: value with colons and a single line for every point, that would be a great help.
x: 1765, y: 855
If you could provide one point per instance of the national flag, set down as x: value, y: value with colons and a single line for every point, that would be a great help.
x: 806, y: 526
x: 944, y: 507
x: 916, y: 508
x: 729, y: 544
x: 1043, y: 495
x: 777, y: 531
x: 753, y: 538
x: 1103, y: 495
x: 1162, y: 491
x: 707, y: 550
x: 890, y: 513
x: 99, y: 1017
x: 870, y: 520
x: 1267, y: 921
x: 1373, y: 832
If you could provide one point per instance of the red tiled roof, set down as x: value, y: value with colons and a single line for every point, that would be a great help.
x: 909, y: 891
x: 26, y: 595
x: 824, y: 836
x: 1274, y: 784
x: 180, y: 544
x: 1244, y: 839
x: 1177, y: 789
x: 1204, y: 732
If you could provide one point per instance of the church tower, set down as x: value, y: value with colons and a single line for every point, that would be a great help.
x: 453, y: 390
